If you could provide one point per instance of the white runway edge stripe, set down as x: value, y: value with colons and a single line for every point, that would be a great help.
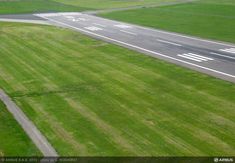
x: 59, y: 14
x: 230, y: 50
x: 195, y: 57
x: 146, y: 50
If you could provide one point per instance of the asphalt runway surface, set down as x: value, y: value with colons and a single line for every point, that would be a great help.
x: 210, y: 57
x: 213, y: 58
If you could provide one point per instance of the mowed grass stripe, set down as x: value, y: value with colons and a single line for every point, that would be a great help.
x: 57, y: 46
x: 94, y: 64
x: 98, y: 64
x: 168, y: 115
x: 151, y: 114
x: 47, y: 67
x: 60, y: 71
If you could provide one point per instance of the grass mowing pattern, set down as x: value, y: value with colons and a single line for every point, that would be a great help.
x: 93, y: 98
x: 35, y: 6
x: 13, y: 140
x: 206, y: 18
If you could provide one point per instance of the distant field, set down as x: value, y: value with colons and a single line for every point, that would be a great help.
x: 13, y: 140
x: 32, y: 6
x: 96, y: 99
x: 213, y: 19
x: 105, y: 4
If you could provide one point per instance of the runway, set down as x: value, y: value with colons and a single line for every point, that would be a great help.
x: 210, y: 57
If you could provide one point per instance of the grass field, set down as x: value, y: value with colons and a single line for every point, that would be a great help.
x: 213, y: 19
x: 91, y: 98
x: 13, y: 140
x: 32, y: 6
x: 35, y: 6
x: 106, y: 4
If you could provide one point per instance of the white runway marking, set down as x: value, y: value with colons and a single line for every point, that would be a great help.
x: 160, y: 31
x: 140, y: 48
x: 195, y: 57
x: 59, y: 14
x: 222, y: 55
x: 230, y: 50
x: 123, y: 26
x: 99, y: 25
x: 75, y: 20
x: 69, y: 17
x: 93, y: 28
x: 167, y: 42
x: 128, y: 32
x: 82, y: 19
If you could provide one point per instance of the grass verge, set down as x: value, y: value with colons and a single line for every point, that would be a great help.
x: 91, y: 98
x: 13, y: 140
x: 206, y: 18
x: 35, y: 6
x: 108, y: 4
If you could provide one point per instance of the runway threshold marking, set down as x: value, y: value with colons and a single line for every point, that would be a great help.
x: 229, y: 50
x: 128, y: 32
x: 195, y: 57
x: 168, y: 42
x: 140, y: 48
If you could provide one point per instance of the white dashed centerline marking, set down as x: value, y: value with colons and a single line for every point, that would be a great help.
x: 75, y: 20
x: 140, y: 48
x: 128, y: 32
x: 69, y: 17
x: 195, y: 57
x: 82, y: 19
x: 123, y: 26
x: 221, y: 55
x: 167, y: 42
x: 101, y: 25
x: 230, y: 50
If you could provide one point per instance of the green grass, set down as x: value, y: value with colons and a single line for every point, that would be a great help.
x: 32, y: 6
x: 213, y: 19
x: 13, y: 140
x: 107, y: 4
x: 92, y: 98
x: 35, y: 6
